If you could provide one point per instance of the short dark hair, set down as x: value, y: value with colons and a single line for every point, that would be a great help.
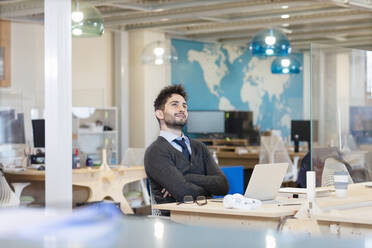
x: 166, y: 93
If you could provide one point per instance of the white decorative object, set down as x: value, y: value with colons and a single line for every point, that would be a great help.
x: 238, y: 201
x: 8, y: 198
x: 309, y: 208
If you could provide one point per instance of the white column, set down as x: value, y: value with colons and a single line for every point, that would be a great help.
x: 122, y: 89
x: 58, y: 133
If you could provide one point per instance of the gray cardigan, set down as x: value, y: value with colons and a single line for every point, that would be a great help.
x: 168, y: 168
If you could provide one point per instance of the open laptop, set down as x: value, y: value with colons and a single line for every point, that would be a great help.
x: 265, y: 181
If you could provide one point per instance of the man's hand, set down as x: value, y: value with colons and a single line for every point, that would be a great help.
x: 166, y: 193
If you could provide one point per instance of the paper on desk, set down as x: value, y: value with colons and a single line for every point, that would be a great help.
x: 369, y: 184
x: 301, y: 190
x: 15, y: 169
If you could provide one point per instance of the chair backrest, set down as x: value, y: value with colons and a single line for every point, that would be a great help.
x: 273, y: 150
x: 235, y: 178
x: 319, y: 156
x: 134, y: 156
x: 332, y: 165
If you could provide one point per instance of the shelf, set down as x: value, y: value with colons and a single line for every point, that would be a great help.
x: 93, y: 137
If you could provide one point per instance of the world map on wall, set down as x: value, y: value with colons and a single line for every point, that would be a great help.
x: 227, y: 77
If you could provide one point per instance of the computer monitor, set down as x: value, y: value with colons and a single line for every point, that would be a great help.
x: 12, y: 130
x: 301, y: 131
x: 38, y: 130
x: 203, y: 122
x: 238, y: 121
x: 239, y: 124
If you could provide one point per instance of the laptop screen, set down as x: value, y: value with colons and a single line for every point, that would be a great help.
x: 265, y: 181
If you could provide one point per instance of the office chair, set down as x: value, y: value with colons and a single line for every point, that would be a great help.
x: 332, y: 155
x: 332, y: 165
x: 235, y: 178
x: 8, y: 198
x: 135, y: 156
x: 273, y: 150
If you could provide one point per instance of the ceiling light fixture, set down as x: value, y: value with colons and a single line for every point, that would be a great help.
x: 285, y: 65
x: 159, y: 53
x: 285, y: 7
x: 77, y: 15
x: 87, y: 21
x: 270, y: 42
x: 285, y: 16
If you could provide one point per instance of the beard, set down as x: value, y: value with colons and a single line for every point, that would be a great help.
x: 174, y: 123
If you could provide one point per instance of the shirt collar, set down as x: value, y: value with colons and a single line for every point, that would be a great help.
x: 171, y: 136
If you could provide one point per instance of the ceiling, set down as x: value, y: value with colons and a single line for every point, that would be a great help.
x: 346, y: 23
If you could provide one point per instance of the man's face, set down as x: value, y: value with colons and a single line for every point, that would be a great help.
x: 175, y: 112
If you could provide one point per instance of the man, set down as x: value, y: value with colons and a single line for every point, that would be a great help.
x: 176, y: 165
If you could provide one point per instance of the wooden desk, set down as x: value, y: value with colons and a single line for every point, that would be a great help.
x: 339, y: 216
x: 341, y: 222
x: 89, y: 184
x: 348, y: 216
x: 248, y: 160
x: 213, y: 213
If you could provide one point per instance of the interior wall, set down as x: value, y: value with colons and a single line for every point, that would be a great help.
x: 145, y: 82
x: 136, y: 89
x: 92, y: 75
x: 156, y: 77
x: 92, y: 71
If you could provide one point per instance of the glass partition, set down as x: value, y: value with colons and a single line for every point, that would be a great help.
x: 341, y: 113
x: 21, y: 80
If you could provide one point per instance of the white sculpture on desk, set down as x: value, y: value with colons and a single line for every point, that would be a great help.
x: 238, y: 201
x: 309, y: 208
x: 108, y: 174
x: 8, y: 198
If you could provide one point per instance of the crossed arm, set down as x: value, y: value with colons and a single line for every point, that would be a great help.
x: 173, y: 182
x: 162, y: 170
x: 214, y: 182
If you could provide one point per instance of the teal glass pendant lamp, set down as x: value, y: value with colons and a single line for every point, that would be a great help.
x: 286, y: 65
x: 270, y: 42
x: 159, y: 53
x: 86, y: 20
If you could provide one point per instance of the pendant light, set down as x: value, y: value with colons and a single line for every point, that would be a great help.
x: 270, y: 42
x: 286, y: 65
x: 159, y: 53
x: 86, y: 21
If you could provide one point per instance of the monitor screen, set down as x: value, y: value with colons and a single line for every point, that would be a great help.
x: 238, y: 122
x: 206, y: 122
x: 12, y: 130
x: 302, y: 129
x: 38, y: 130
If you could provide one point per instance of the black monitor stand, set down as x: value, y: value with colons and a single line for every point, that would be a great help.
x: 296, y: 143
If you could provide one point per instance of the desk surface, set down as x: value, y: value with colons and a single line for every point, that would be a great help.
x: 39, y: 175
x: 355, y: 208
x: 214, y: 213
x: 216, y: 208
x: 101, y: 182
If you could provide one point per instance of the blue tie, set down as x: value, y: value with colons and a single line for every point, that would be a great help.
x: 182, y: 144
